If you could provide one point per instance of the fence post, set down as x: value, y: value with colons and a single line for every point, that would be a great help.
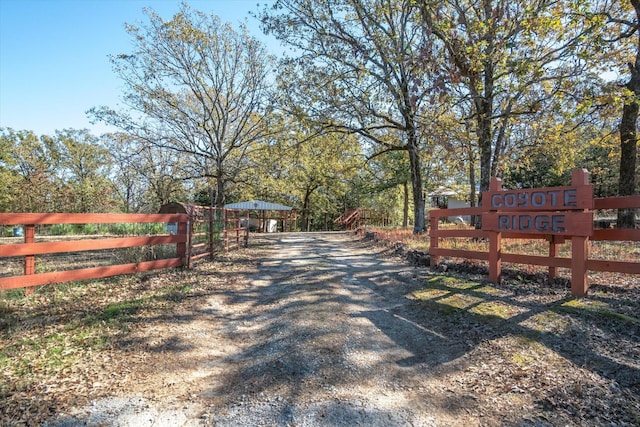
x: 237, y: 227
x: 433, y: 238
x: 29, y: 260
x: 190, y: 239
x: 181, y: 247
x: 495, y: 238
x: 553, y: 253
x: 224, y: 227
x: 579, y: 256
x: 211, y: 233
x: 495, y: 256
x: 246, y: 231
x: 579, y: 245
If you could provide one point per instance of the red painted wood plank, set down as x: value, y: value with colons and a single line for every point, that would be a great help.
x: 85, y: 273
x: 579, y: 258
x: 614, y: 266
x: 463, y: 233
x: 21, y: 249
x: 622, y: 202
x: 557, y: 223
x: 86, y: 218
x: 29, y: 239
x: 620, y: 234
x: 553, y: 253
x: 444, y: 233
x: 433, y: 241
x: 519, y: 236
x: 202, y: 255
x: 459, y: 253
x: 495, y: 257
x: 592, y: 265
x: 536, y: 260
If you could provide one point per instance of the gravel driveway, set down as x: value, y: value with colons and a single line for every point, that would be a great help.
x: 319, y: 329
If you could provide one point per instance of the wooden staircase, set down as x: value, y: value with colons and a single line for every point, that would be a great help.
x: 349, y: 220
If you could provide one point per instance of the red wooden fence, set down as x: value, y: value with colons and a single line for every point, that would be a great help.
x: 223, y: 226
x: 574, y: 221
x: 184, y: 239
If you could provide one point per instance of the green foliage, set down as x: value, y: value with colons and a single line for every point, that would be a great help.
x: 61, y: 229
x: 512, y: 89
x: 124, y: 229
x: 312, y: 172
x: 118, y: 229
x: 62, y: 173
x: 118, y: 312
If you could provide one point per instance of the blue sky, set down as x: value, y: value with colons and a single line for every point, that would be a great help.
x: 54, y: 62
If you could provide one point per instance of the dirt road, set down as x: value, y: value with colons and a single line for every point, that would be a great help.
x: 320, y: 329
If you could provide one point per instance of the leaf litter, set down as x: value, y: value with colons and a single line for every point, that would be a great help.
x: 322, y: 329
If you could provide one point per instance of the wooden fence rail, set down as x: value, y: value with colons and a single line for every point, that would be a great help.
x: 183, y: 236
x: 579, y: 263
x: 225, y: 229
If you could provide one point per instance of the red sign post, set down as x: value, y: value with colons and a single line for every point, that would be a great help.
x: 555, y: 212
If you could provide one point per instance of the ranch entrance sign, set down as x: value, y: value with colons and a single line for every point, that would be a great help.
x: 550, y: 211
x: 556, y: 213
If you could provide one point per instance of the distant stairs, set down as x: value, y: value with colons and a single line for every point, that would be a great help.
x: 349, y: 220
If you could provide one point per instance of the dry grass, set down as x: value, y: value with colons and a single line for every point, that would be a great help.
x: 605, y: 250
x: 519, y: 348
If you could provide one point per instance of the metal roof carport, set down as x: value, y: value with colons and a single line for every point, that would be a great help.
x: 286, y: 214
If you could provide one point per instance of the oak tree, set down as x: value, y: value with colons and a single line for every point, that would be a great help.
x: 357, y: 71
x: 624, y: 23
x: 196, y: 86
x: 508, y: 58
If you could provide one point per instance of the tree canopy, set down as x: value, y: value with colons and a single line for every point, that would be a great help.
x: 357, y: 72
x: 376, y: 104
x: 196, y: 87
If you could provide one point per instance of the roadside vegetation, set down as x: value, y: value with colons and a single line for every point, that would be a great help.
x: 618, y: 250
x: 573, y: 358
x: 62, y: 341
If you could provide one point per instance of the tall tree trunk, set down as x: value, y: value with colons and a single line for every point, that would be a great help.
x: 628, y: 155
x: 484, y: 111
x: 416, y: 184
x: 304, y: 220
x: 500, y: 144
x: 220, y: 197
x: 472, y: 175
x: 405, y: 208
x: 628, y: 138
x: 484, y: 108
x: 472, y: 187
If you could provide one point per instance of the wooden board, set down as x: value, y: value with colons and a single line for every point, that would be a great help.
x: 85, y: 273
x: 21, y: 249
x: 555, y: 223
x: 539, y: 199
x: 622, y: 202
x: 86, y: 218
